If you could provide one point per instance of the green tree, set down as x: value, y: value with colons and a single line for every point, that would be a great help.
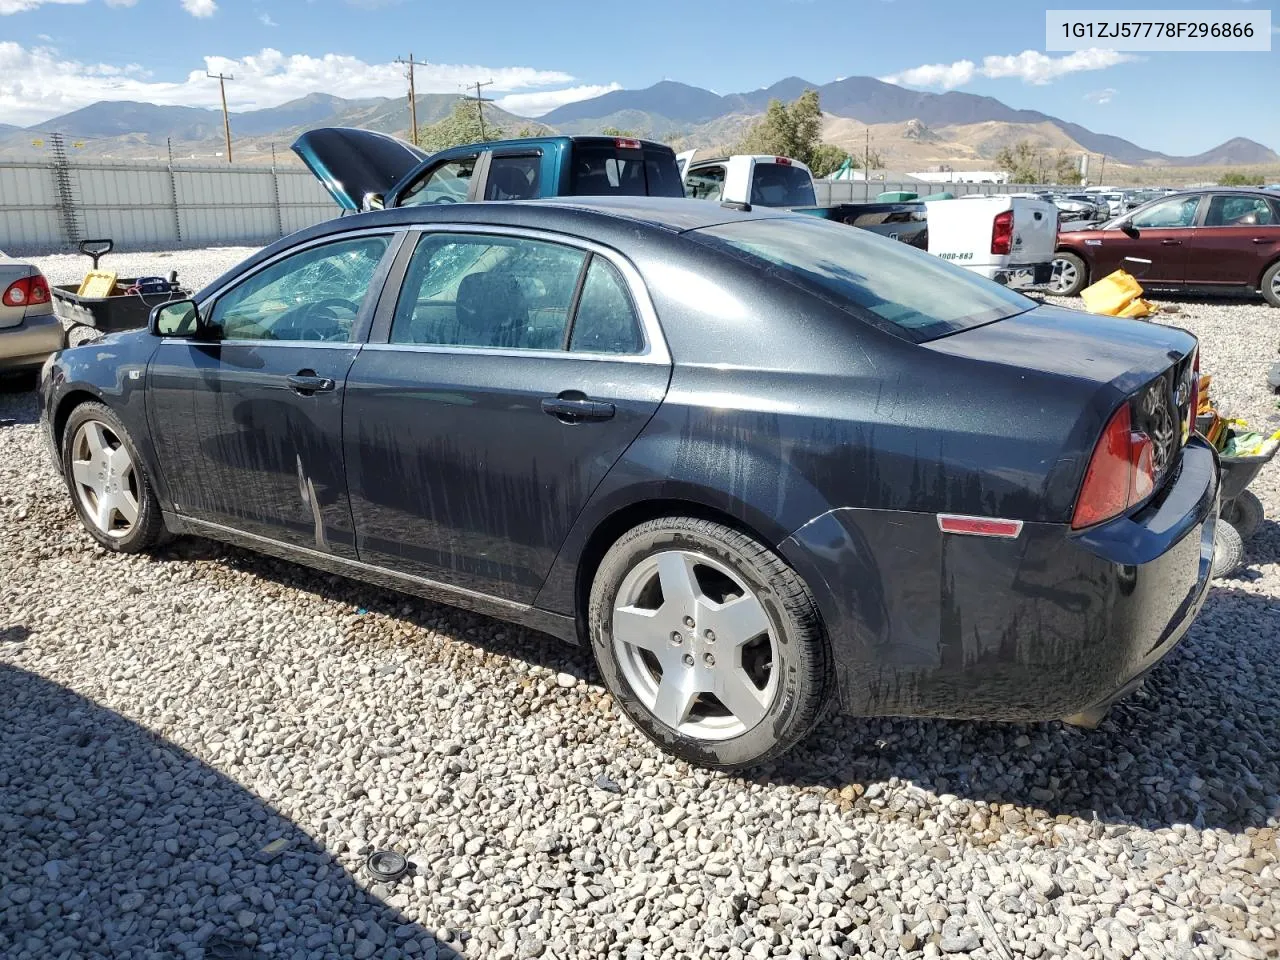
x: 1238, y: 180
x: 615, y: 132
x: 1065, y: 169
x: 461, y: 126
x: 1022, y: 161
x: 793, y: 130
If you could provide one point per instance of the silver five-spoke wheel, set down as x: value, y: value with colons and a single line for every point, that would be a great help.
x: 1065, y: 276
x: 695, y: 644
x: 105, y: 478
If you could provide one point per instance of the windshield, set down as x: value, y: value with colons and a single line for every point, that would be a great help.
x: 893, y: 286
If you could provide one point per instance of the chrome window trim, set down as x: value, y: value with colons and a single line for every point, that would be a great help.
x: 655, y: 349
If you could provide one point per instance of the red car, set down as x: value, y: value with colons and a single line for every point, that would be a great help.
x: 1202, y: 241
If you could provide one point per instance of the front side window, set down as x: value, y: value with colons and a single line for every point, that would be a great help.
x: 479, y: 290
x: 605, y: 321
x: 1226, y: 210
x: 446, y: 183
x: 889, y: 284
x: 705, y: 183
x: 1175, y: 212
x: 312, y: 295
x: 780, y: 185
x: 513, y: 178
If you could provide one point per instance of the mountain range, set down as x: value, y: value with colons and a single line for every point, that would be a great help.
x: 907, y: 126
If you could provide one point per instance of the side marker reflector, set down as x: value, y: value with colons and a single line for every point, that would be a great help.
x: 979, y: 526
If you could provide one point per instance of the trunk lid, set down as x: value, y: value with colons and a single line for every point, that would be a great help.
x: 352, y: 163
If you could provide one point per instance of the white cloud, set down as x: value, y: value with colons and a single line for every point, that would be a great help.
x: 22, y: 6
x: 1030, y: 66
x: 1100, y: 97
x: 536, y: 104
x: 37, y: 83
x: 200, y: 8
x: 266, y: 21
x: 121, y: 3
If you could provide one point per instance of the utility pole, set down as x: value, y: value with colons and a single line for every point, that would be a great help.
x: 413, y: 98
x: 866, y: 158
x: 1102, y: 171
x: 480, y: 102
x: 226, y: 117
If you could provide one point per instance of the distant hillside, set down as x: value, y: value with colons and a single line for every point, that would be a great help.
x: 1239, y: 151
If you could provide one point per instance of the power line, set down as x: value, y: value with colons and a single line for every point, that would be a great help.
x: 413, y: 97
x: 226, y: 117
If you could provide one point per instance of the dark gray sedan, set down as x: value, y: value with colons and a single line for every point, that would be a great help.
x: 756, y: 460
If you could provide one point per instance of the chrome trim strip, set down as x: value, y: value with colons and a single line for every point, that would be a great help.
x: 368, y: 568
x: 352, y: 345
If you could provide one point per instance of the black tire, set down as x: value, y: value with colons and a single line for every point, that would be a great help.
x: 1081, y: 279
x: 1271, y: 284
x: 1228, y: 551
x: 148, y: 529
x: 800, y: 661
x: 1246, y: 514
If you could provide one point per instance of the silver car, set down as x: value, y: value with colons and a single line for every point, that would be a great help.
x: 29, y: 331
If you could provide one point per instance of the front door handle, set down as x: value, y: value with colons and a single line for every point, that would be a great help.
x: 577, y: 409
x: 306, y: 383
x: 1170, y: 243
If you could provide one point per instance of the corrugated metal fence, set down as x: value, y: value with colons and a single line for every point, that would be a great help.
x: 47, y: 206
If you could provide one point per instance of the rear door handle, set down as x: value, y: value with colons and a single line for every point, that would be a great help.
x: 1170, y: 243
x: 1261, y: 240
x: 306, y: 383
x: 575, y: 410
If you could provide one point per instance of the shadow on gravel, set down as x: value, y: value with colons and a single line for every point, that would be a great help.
x: 1198, y: 745
x: 120, y: 844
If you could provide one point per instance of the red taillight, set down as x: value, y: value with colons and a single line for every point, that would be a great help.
x: 1002, y: 232
x: 626, y: 143
x: 1121, y: 472
x: 28, y: 290
x: 783, y: 161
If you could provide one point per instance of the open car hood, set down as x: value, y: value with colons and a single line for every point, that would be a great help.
x: 352, y: 163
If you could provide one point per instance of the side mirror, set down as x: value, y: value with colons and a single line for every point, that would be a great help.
x: 178, y: 318
x: 371, y: 201
x: 1126, y: 225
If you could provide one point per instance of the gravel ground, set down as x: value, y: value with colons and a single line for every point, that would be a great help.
x: 204, y: 743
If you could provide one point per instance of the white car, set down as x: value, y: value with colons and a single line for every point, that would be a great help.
x: 29, y: 331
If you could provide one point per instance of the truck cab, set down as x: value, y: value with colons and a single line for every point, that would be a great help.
x: 366, y: 170
x: 760, y: 180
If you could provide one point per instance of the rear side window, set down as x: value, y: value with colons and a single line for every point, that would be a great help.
x: 777, y: 185
x: 604, y: 170
x: 889, y: 284
x: 1226, y: 210
x: 513, y: 178
x: 475, y: 290
x: 606, y: 321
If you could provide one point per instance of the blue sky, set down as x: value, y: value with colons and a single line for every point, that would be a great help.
x: 57, y: 55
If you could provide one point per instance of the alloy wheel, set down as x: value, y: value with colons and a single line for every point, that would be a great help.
x: 1064, y: 276
x: 695, y: 645
x: 106, y: 481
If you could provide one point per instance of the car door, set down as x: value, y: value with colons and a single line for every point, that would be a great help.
x: 1239, y: 237
x: 452, y: 179
x: 495, y: 394
x: 1159, y: 232
x: 248, y: 426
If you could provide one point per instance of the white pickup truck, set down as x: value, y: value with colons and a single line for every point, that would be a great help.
x: 1007, y: 239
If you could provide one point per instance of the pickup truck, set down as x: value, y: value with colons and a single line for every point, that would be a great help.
x: 1007, y: 239
x: 366, y: 170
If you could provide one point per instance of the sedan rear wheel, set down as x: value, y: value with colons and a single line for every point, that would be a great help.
x: 1271, y: 284
x: 108, y: 483
x: 709, y: 642
x: 1069, y: 275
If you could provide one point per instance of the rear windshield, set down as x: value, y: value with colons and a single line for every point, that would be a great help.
x: 776, y: 185
x: 891, y: 285
x: 605, y: 171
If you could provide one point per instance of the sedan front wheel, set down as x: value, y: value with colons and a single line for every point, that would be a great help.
x: 709, y: 641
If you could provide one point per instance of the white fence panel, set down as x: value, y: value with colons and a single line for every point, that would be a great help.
x: 29, y: 211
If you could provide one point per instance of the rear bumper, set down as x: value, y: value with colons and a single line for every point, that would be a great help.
x: 1020, y: 276
x: 30, y: 342
x: 1040, y: 627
